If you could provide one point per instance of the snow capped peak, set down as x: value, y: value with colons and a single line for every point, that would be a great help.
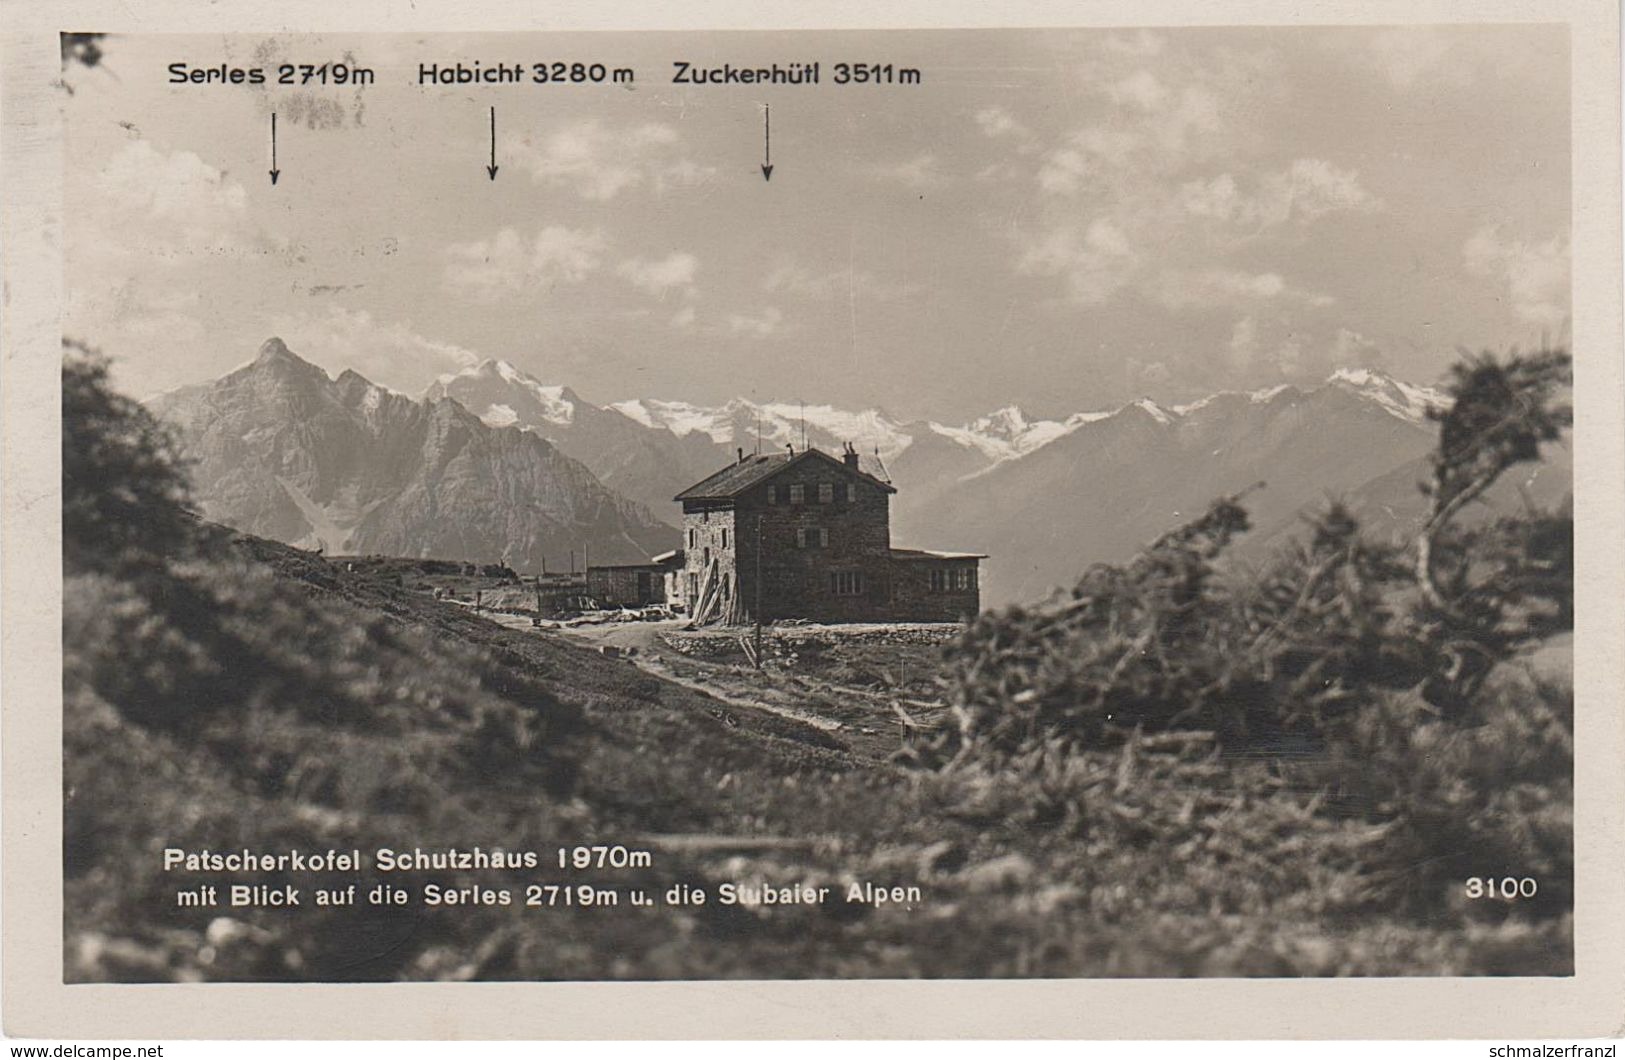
x: 1405, y: 401
x: 500, y: 416
x: 1356, y: 376
x: 1257, y: 397
x: 678, y: 417
x: 508, y: 395
x: 1007, y: 433
x: 1008, y: 422
x: 779, y: 422
x: 507, y: 371
x: 1154, y: 410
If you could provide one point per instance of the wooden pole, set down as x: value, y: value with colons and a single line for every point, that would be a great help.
x: 758, y: 607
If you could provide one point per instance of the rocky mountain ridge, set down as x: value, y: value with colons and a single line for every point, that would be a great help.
x: 279, y: 449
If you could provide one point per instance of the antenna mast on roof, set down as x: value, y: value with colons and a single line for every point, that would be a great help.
x: 884, y: 474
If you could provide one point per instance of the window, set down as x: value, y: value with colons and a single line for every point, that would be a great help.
x: 851, y: 492
x: 693, y: 538
x: 965, y: 579
x: 846, y: 583
x: 693, y: 586
x: 773, y: 495
x: 798, y: 493
x: 812, y: 537
x: 826, y: 492
x: 939, y: 580
x: 707, y: 560
x: 725, y: 537
x: 726, y: 579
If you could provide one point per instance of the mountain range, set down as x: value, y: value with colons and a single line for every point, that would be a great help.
x: 279, y: 449
x: 492, y: 462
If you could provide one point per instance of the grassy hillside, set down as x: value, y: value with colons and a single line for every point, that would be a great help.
x: 223, y: 692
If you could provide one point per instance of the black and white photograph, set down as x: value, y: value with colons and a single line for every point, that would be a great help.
x: 961, y: 504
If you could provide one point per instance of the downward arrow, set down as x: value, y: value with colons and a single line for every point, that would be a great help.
x: 493, y: 167
x: 275, y: 172
x: 767, y: 142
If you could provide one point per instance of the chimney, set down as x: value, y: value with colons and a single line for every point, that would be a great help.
x: 741, y: 451
x: 791, y: 448
x: 850, y: 457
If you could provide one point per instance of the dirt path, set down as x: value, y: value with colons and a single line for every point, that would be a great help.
x: 641, y: 643
x: 864, y: 720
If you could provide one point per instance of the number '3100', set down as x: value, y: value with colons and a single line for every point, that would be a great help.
x: 1510, y: 888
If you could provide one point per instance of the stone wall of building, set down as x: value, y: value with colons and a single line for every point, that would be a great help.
x: 825, y: 552
x: 952, y: 597
x: 854, y: 546
x: 708, y: 534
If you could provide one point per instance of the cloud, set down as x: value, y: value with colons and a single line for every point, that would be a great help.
x: 176, y: 188
x: 1157, y: 131
x: 793, y: 279
x: 1096, y: 262
x: 997, y: 121
x: 684, y: 317
x: 921, y: 173
x: 1157, y: 192
x: 1243, y: 345
x: 1270, y: 346
x: 1140, y: 89
x: 1179, y: 288
x: 1410, y: 55
x: 1256, y: 348
x: 170, y: 208
x: 599, y: 162
x: 1350, y: 349
x: 757, y: 325
x: 1145, y: 377
x: 676, y: 270
x: 392, y: 353
x: 1313, y: 188
x: 1307, y: 190
x: 147, y: 230
x: 1536, y: 275
x: 507, y: 263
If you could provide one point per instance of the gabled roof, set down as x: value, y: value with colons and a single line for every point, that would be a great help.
x: 752, y: 471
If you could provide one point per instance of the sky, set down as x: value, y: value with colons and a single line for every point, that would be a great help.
x: 1062, y: 220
